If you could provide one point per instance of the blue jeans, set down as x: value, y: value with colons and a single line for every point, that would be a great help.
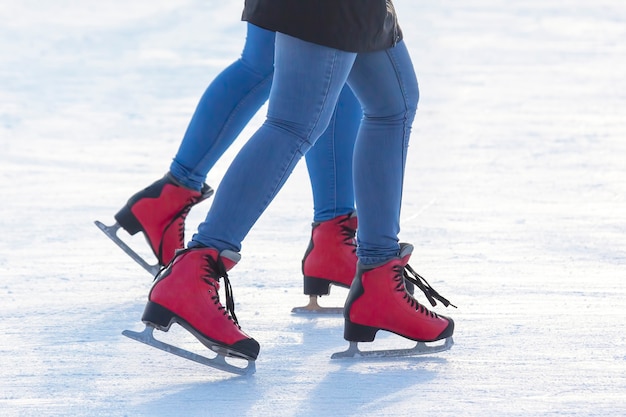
x: 308, y: 80
x: 235, y: 96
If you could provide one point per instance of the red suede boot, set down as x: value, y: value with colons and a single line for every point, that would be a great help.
x: 329, y: 259
x: 378, y: 300
x: 331, y: 255
x: 187, y: 293
x: 159, y: 211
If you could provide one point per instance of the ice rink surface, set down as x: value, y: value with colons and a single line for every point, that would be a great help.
x: 515, y: 201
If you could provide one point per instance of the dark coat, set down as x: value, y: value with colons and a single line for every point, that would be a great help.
x: 349, y: 25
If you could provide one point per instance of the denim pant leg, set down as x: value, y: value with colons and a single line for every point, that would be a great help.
x: 329, y: 162
x: 308, y: 79
x: 386, y: 85
x: 233, y: 98
x: 225, y: 108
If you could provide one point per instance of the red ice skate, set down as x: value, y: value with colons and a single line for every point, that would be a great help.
x: 329, y: 260
x: 159, y: 212
x: 378, y: 300
x: 186, y: 293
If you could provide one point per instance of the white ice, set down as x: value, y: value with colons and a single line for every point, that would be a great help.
x: 515, y: 200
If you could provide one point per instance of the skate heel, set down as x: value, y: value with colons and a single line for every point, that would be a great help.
x: 353, y: 332
x: 128, y: 221
x: 316, y: 286
x: 158, y: 316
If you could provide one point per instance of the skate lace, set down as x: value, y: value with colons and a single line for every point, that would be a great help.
x: 215, y: 270
x: 179, y: 219
x: 348, y: 233
x: 407, y: 273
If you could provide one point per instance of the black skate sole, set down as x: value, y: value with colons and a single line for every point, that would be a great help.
x: 319, y: 286
x: 128, y: 221
x: 316, y: 287
x: 354, y: 332
x: 161, y: 318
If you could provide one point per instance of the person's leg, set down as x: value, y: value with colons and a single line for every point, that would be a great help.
x: 227, y: 105
x: 329, y: 162
x: 330, y: 258
x: 187, y: 290
x: 298, y: 114
x: 386, y: 85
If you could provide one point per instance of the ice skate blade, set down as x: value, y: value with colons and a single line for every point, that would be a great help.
x: 420, y: 348
x: 219, y: 362
x: 314, y: 308
x: 111, y: 232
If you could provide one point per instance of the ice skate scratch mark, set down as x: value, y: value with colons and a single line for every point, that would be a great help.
x: 420, y: 211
